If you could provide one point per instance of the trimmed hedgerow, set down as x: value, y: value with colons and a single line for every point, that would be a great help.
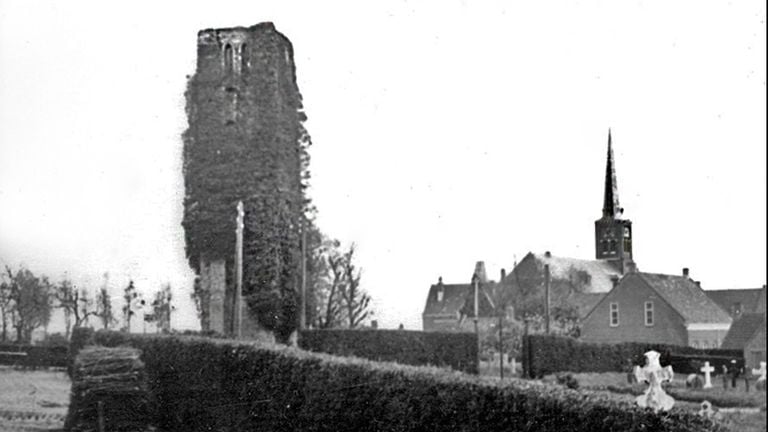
x: 455, y: 350
x: 547, y: 354
x: 33, y: 356
x: 204, y: 384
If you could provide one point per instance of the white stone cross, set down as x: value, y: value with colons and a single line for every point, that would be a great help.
x: 653, y: 374
x: 707, y: 369
x: 760, y: 372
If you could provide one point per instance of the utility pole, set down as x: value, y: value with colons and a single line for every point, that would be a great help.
x: 476, y: 283
x: 239, y: 270
x: 546, y: 298
x: 501, y: 345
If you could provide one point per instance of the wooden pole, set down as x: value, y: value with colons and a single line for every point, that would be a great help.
x: 239, y: 270
x: 475, y: 281
x: 501, y: 346
x: 546, y: 298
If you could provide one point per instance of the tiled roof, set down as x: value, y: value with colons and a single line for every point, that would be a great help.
x: 454, y: 296
x: 748, y: 298
x: 585, y: 302
x: 687, y: 298
x: 742, y: 330
x: 600, y: 271
x: 459, y: 299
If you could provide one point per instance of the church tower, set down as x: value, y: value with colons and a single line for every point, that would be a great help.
x: 613, y: 235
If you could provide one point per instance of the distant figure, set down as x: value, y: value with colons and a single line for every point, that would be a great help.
x: 401, y: 327
x: 725, y: 377
x: 734, y: 373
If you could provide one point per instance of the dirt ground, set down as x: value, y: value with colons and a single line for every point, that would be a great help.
x: 33, y: 400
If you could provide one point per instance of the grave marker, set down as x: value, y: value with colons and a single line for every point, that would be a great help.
x: 653, y: 374
x: 707, y: 369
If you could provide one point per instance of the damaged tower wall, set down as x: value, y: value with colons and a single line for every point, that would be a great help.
x: 244, y: 113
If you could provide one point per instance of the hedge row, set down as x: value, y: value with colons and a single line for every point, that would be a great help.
x: 32, y: 356
x: 455, y: 350
x: 204, y: 384
x: 543, y: 355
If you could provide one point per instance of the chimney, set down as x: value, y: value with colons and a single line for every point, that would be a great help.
x: 482, y: 277
x: 374, y: 324
x: 685, y: 271
x: 615, y: 280
x: 548, y: 254
x: 503, y: 276
x: 698, y: 283
x: 440, y: 290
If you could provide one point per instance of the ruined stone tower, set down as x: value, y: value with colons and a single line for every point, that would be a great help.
x: 244, y: 114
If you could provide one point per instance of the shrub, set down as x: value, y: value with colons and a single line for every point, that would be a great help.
x: 33, y: 356
x: 206, y: 384
x: 81, y: 336
x: 544, y: 355
x: 455, y: 350
x: 568, y: 380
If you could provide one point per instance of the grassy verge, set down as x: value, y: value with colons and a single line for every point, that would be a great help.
x: 33, y: 400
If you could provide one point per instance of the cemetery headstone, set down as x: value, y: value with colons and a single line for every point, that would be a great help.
x: 654, y: 375
x: 693, y: 381
x: 760, y: 384
x: 707, y: 369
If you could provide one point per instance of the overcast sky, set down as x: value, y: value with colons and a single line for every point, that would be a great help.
x: 444, y: 133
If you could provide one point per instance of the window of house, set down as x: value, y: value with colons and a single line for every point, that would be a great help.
x: 613, y: 246
x: 228, y: 58
x: 440, y: 295
x: 614, y: 307
x: 649, y: 313
x: 244, y: 57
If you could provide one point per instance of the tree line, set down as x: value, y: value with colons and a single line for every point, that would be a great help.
x: 28, y: 301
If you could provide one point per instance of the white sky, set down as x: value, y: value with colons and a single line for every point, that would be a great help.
x: 445, y: 133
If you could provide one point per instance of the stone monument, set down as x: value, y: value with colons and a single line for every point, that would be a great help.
x: 707, y: 369
x: 760, y: 384
x: 653, y: 374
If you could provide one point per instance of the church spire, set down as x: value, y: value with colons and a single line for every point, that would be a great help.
x: 611, y: 207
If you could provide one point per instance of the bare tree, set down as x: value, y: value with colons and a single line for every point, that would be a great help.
x: 337, y: 298
x: 5, y: 305
x: 104, y: 307
x: 74, y: 303
x: 354, y: 300
x: 162, y: 308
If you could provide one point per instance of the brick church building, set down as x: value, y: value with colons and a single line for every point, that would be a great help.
x: 608, y: 296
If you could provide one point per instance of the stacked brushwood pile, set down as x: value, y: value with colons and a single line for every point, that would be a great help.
x: 109, y: 391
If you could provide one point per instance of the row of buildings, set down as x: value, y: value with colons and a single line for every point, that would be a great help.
x: 608, y: 297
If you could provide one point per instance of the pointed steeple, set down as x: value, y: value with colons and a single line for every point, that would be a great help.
x: 611, y: 207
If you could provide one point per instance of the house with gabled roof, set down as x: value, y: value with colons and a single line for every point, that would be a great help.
x: 748, y: 334
x: 739, y: 301
x: 450, y: 307
x: 657, y: 308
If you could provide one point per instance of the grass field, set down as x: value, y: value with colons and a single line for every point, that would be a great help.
x: 33, y: 400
